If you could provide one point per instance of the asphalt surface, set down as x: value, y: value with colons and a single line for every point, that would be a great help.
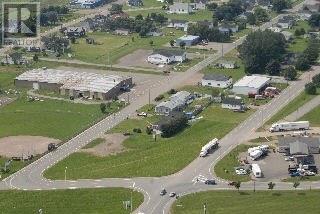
x: 188, y: 180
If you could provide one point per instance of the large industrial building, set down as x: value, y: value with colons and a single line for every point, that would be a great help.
x: 251, y: 85
x: 76, y: 84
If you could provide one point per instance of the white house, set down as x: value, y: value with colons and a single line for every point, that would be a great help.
x: 250, y: 84
x: 226, y: 64
x: 275, y: 29
x: 177, y: 102
x: 179, y: 24
x: 164, y: 56
x: 233, y: 103
x: 216, y: 80
x: 287, y: 35
x: 180, y: 8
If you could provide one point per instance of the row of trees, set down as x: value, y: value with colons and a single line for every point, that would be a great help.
x: 230, y: 10
x: 212, y: 35
x: 56, y: 43
x: 314, y: 20
x: 271, y: 185
x: 311, y: 88
x: 309, y: 55
x: 50, y: 16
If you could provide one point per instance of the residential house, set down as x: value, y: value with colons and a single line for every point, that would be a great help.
x: 177, y: 102
x: 233, y: 103
x: 199, y: 5
x: 216, y: 80
x: 155, y: 33
x: 226, y: 64
x: 275, y: 29
x: 167, y: 56
x: 178, y: 24
x: 287, y: 35
x: 305, y: 14
x: 205, y: 23
x: 265, y: 4
x: 87, y: 4
x: 299, y: 145
x: 227, y: 28
x: 74, y: 32
x: 188, y: 40
x: 180, y: 8
x: 122, y: 32
x: 135, y: 3
x: 286, y: 22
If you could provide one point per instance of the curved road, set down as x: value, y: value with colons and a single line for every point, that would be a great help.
x: 183, y: 182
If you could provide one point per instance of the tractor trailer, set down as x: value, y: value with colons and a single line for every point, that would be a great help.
x: 290, y: 126
x: 213, y: 144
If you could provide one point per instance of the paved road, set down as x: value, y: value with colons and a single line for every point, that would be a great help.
x: 183, y: 182
x: 302, y: 110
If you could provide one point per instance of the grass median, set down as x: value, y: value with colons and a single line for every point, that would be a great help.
x: 69, y: 201
x: 145, y: 157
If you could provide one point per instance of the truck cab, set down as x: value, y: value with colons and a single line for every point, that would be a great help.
x: 203, y: 153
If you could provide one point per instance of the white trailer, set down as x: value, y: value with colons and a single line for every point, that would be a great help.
x: 290, y: 126
x: 256, y: 170
x: 256, y: 154
x: 250, y: 150
x: 209, y: 146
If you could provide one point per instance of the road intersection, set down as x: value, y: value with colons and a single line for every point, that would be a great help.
x: 186, y: 181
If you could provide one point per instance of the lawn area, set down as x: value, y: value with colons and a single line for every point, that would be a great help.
x: 58, y: 119
x: 112, y: 47
x: 291, y: 107
x: 313, y: 116
x: 225, y: 167
x: 248, y: 202
x: 69, y: 201
x: 94, y: 143
x: 143, y: 156
x: 14, y: 167
x: 298, y: 45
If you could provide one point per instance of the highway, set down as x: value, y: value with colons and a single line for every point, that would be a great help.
x: 184, y: 182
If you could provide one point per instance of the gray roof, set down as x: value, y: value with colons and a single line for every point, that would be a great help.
x: 217, y: 77
x: 310, y: 141
x: 169, y: 52
x: 176, y: 100
x: 299, y: 148
x: 232, y: 101
x: 178, y: 5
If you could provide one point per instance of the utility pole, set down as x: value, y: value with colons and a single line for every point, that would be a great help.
x: 131, y: 204
x: 65, y: 173
x: 254, y: 186
x: 204, y: 208
x: 128, y: 99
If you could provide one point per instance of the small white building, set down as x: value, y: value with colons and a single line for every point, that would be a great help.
x: 177, y: 102
x: 250, y: 84
x: 226, y: 64
x: 275, y: 29
x: 180, y: 8
x: 216, y: 80
x: 287, y: 35
x: 178, y: 24
x: 233, y: 103
x: 256, y: 170
x: 164, y: 56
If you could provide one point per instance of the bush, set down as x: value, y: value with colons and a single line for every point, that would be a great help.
x: 172, y: 124
x: 172, y: 91
x: 137, y: 130
x: 149, y: 130
x: 302, y: 63
x: 316, y: 80
x: 311, y: 88
x: 158, y: 98
x: 290, y: 73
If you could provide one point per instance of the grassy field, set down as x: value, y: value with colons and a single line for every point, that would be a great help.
x: 112, y: 47
x: 248, y: 202
x: 14, y: 167
x: 94, y: 143
x: 313, y: 116
x: 143, y: 156
x: 291, y: 107
x: 225, y: 167
x: 44, y: 3
x: 69, y: 201
x: 299, y: 43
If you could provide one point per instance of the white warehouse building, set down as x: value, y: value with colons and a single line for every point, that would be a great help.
x: 164, y: 56
x: 251, y: 85
x: 216, y: 80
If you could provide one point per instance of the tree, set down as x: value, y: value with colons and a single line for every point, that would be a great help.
x: 290, y: 73
x: 251, y: 18
x: 212, y: 6
x: 261, y: 15
x: 151, y: 43
x: 172, y: 43
x: 16, y: 57
x: 182, y: 44
x: 172, y: 124
x: 296, y: 184
x: 103, y: 108
x: 237, y: 185
x: 279, y: 5
x: 312, y: 51
x: 311, y: 88
x: 273, y: 68
x: 260, y: 48
x: 302, y: 63
x: 297, y: 32
x: 314, y: 20
x: 116, y: 9
x: 139, y: 17
x: 271, y: 185
x: 316, y: 80
x: 73, y: 40
x: 36, y: 58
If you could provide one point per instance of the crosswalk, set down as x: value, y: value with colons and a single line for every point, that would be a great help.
x: 199, y: 178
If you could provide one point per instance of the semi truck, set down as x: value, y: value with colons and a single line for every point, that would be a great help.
x: 290, y: 126
x: 213, y: 144
x: 256, y: 170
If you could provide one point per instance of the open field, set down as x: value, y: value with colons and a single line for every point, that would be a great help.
x: 313, y: 116
x: 248, y: 202
x: 300, y: 43
x: 69, y: 201
x: 291, y: 107
x: 225, y: 167
x: 44, y: 3
x: 143, y: 156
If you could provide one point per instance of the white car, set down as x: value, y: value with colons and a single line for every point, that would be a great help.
x: 172, y: 194
x: 289, y: 158
x: 309, y: 173
x: 241, y: 172
x: 142, y: 114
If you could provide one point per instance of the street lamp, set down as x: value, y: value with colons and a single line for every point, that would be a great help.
x: 65, y: 173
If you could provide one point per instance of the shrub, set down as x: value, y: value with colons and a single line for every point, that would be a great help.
x: 158, y: 98
x: 311, y: 88
x: 137, y: 130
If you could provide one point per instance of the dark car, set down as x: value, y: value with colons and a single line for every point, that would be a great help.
x: 232, y: 183
x: 51, y: 147
x: 163, y: 192
x: 210, y: 182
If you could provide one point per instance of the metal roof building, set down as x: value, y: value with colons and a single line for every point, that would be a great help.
x: 176, y: 103
x: 250, y: 84
x: 74, y: 83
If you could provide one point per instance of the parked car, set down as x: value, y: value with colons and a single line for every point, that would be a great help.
x: 51, y: 147
x: 241, y: 172
x: 309, y: 173
x: 289, y: 158
x: 163, y: 192
x: 142, y: 114
x: 172, y: 194
x: 294, y: 174
x: 210, y: 182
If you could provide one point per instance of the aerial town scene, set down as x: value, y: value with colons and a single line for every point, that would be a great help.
x: 160, y: 106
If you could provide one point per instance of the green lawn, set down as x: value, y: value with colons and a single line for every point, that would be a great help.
x: 225, y: 167
x: 94, y: 143
x: 313, y: 116
x: 291, y: 107
x: 14, y: 167
x: 69, y: 201
x: 249, y: 202
x: 298, y: 45
x: 112, y: 47
x: 143, y: 156
x: 56, y: 119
